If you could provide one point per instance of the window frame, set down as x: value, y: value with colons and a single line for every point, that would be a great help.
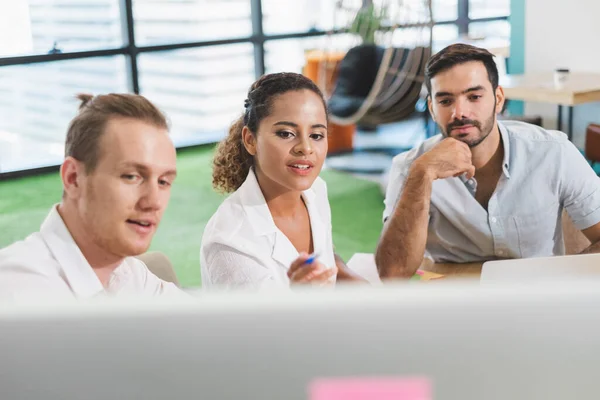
x: 258, y: 39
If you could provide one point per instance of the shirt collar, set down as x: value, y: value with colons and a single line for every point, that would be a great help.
x: 261, y: 220
x: 77, y: 272
x: 506, y: 143
x: 254, y: 204
x: 471, y: 184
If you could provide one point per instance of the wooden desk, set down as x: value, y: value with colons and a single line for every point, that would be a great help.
x: 364, y: 265
x: 469, y: 270
x: 579, y: 88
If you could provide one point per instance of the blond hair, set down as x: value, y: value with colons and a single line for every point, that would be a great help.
x: 86, y: 129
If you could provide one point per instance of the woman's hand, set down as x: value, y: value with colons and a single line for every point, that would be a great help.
x: 314, y: 273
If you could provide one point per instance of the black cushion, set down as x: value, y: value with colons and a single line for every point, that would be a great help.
x: 356, y: 76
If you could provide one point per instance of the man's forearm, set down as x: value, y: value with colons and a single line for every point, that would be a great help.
x: 402, y: 244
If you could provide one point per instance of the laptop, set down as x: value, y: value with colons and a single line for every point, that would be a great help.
x: 541, y: 269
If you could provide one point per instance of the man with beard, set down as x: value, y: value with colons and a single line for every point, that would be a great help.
x: 482, y: 189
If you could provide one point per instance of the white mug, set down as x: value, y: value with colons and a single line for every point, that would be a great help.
x: 560, y: 77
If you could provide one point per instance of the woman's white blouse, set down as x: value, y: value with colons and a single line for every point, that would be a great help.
x: 243, y: 248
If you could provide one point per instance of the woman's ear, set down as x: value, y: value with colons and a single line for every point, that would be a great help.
x: 249, y: 141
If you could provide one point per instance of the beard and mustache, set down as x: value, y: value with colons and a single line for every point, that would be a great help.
x: 484, y: 128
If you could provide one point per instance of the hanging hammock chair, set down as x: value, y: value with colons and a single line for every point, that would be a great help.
x: 380, y: 78
x: 386, y: 100
x: 380, y: 81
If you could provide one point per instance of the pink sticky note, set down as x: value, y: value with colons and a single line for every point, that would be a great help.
x: 370, y: 389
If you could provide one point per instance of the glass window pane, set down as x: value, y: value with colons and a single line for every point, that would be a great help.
x: 285, y: 16
x: 444, y: 35
x: 202, y: 90
x: 172, y: 21
x: 444, y: 10
x: 42, y: 26
x: 289, y: 55
x: 37, y: 102
x: 412, y: 37
x: 490, y: 30
x: 488, y: 8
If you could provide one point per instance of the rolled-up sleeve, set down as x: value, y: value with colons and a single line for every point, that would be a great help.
x: 580, y: 188
x: 395, y: 184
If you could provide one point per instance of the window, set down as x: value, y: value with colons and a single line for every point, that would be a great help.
x: 289, y: 54
x: 42, y: 26
x: 173, y: 21
x: 201, y: 90
x: 194, y: 58
x: 488, y: 8
x: 444, y: 10
x: 287, y: 16
x: 37, y: 101
x: 444, y: 35
x: 491, y: 29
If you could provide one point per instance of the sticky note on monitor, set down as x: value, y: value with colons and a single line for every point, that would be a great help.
x: 370, y: 389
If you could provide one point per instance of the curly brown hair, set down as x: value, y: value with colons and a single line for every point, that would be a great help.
x: 232, y: 162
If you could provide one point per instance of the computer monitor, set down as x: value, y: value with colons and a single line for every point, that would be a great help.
x: 467, y: 341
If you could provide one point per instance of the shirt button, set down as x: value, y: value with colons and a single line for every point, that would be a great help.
x: 493, y: 219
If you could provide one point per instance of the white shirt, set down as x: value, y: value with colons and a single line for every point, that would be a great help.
x: 49, y: 264
x: 542, y: 174
x: 243, y: 248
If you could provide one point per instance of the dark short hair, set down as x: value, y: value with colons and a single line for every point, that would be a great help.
x: 460, y: 53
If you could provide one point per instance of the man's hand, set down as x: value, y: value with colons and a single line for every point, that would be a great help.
x: 448, y: 158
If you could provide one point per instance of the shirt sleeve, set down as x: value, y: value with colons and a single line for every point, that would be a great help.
x: 395, y: 185
x: 158, y: 287
x: 229, y: 268
x: 580, y: 188
x: 20, y: 284
x: 152, y: 285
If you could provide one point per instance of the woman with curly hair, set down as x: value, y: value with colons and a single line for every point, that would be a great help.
x: 278, y: 212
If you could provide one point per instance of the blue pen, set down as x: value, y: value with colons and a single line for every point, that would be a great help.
x: 311, y: 258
